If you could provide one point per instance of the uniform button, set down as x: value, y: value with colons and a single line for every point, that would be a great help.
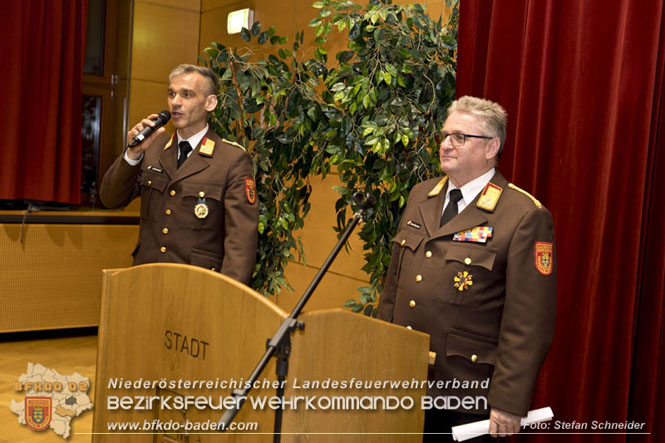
x: 167, y: 212
x: 202, y: 194
x: 403, y: 242
x: 172, y: 193
x: 428, y: 254
x: 163, y: 249
x: 474, y: 357
x: 467, y: 261
x: 409, y: 327
x: 149, y: 182
x: 165, y: 231
x: 419, y: 278
x: 412, y: 304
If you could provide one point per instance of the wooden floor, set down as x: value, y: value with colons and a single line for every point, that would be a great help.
x: 64, y: 351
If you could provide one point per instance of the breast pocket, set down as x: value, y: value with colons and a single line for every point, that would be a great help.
x: 153, y: 185
x: 408, y: 242
x: 466, y: 273
x: 203, y: 205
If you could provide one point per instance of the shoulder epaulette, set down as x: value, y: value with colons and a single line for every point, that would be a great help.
x: 522, y: 191
x: 437, y: 189
x: 237, y: 145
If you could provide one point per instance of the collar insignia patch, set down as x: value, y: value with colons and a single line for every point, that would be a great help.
x: 207, y: 147
x: 168, y: 144
x: 489, y: 197
x: 436, y: 190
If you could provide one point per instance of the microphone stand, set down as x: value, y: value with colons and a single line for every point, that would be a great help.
x: 280, y: 343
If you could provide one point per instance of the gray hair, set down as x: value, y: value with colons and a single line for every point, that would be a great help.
x: 205, y: 72
x: 491, y: 115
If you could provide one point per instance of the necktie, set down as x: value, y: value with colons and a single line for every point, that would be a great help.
x: 185, y: 149
x: 451, y: 209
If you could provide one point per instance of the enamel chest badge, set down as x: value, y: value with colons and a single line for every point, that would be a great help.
x: 463, y: 280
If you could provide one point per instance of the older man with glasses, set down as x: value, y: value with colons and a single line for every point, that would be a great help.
x: 473, y: 266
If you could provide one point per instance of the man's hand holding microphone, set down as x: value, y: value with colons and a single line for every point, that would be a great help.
x: 141, y: 136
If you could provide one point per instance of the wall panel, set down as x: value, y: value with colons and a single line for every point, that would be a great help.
x: 53, y: 279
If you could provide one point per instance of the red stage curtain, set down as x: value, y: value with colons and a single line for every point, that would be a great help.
x: 43, y: 48
x: 582, y: 82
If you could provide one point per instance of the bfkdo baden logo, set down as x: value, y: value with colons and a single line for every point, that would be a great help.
x: 52, y: 400
x: 38, y: 412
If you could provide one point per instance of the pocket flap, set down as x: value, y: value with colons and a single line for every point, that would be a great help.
x: 471, y: 256
x: 408, y: 239
x: 205, y: 259
x: 154, y: 180
x: 476, y: 350
x: 203, y: 189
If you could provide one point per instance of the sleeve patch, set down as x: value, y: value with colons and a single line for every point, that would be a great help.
x: 544, y: 257
x: 250, y: 190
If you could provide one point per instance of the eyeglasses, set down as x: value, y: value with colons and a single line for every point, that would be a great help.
x: 457, y: 138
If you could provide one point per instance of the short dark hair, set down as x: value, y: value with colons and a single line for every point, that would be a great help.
x: 206, y: 72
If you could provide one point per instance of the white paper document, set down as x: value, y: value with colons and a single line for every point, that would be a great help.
x: 478, y: 428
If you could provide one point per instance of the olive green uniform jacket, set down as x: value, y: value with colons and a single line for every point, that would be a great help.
x: 489, y: 307
x: 204, y: 213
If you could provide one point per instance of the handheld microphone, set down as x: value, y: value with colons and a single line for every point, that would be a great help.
x: 162, y: 118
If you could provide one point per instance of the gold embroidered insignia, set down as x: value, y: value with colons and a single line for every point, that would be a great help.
x: 522, y: 191
x: 463, y: 280
x: 168, y: 144
x: 436, y: 190
x: 201, y: 210
x: 207, y: 147
x: 250, y: 190
x: 543, y: 255
x: 489, y: 197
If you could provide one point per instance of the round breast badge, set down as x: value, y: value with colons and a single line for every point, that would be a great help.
x: 201, y: 210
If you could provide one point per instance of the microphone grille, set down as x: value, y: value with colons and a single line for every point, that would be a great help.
x: 164, y: 116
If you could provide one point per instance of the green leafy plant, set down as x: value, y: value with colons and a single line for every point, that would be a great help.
x: 372, y: 117
x: 384, y: 104
x: 268, y: 106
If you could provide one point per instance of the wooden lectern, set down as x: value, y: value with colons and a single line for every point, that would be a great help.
x: 173, y: 333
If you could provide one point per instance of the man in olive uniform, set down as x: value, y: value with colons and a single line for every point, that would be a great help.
x: 473, y: 266
x: 198, y: 195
